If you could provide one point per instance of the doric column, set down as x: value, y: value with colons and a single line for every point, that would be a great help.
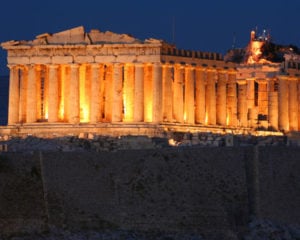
x: 108, y: 92
x: 272, y: 105
x: 117, y: 93
x: 262, y: 97
x: 148, y: 95
x: 39, y: 78
x: 231, y: 100
x: 31, y: 102
x: 84, y: 92
x: 293, y: 104
x: 200, y: 95
x: 23, y: 93
x: 53, y: 93
x: 139, y: 92
x: 221, y: 97
x: 128, y: 92
x: 95, y: 93
x: 74, y: 116
x: 167, y: 93
x: 242, y: 103
x: 178, y: 93
x: 157, y: 93
x: 189, y: 95
x: 14, y: 95
x: 251, y: 109
x: 211, y: 97
x: 283, y: 104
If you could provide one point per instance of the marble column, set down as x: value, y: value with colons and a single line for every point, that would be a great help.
x: 157, y: 93
x: 138, y: 93
x: 23, y: 93
x: 283, y: 104
x: 189, y: 95
x: 293, y: 104
x: 262, y: 96
x: 128, y: 92
x: 13, y: 105
x: 272, y: 105
x: 108, y: 92
x: 211, y: 97
x: 242, y: 103
x: 117, y: 103
x: 74, y: 114
x: 200, y: 95
x: 251, y: 109
x: 231, y: 118
x: 178, y: 93
x: 31, y: 102
x: 64, y: 93
x: 53, y: 93
x: 148, y: 92
x: 221, y: 97
x: 95, y: 93
x: 84, y: 92
x: 167, y: 76
x: 40, y: 91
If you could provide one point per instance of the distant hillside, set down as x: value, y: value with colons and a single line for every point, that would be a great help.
x: 3, y: 99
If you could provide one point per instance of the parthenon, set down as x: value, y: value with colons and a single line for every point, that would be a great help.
x: 74, y: 77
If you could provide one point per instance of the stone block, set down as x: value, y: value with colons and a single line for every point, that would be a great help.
x: 148, y: 58
x: 126, y: 58
x: 40, y: 60
x: 62, y: 59
x: 104, y: 59
x: 18, y: 60
x: 84, y: 59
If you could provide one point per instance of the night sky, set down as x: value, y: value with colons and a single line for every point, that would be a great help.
x: 191, y: 24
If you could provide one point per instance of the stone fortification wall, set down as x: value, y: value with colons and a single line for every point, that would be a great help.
x: 212, y: 191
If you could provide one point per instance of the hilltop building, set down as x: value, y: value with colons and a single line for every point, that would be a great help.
x: 91, y: 80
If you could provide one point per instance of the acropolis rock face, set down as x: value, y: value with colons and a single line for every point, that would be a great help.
x: 96, y: 78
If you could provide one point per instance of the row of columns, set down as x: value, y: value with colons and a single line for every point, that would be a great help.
x: 149, y: 93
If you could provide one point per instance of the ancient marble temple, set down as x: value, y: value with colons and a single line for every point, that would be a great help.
x: 76, y: 77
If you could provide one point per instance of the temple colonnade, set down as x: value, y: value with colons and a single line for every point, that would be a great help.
x: 151, y: 93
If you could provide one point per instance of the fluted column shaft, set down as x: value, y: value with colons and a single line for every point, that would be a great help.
x: 178, y: 93
x: 117, y: 93
x: 221, y: 98
x: 13, y: 105
x: 157, y: 93
x: 148, y: 93
x: 242, y: 103
x: 251, y: 109
x: 31, y: 102
x: 262, y: 97
x: 231, y: 100
x: 53, y: 94
x: 95, y: 94
x: 189, y: 95
x: 283, y: 104
x: 211, y: 97
x: 167, y: 93
x: 128, y: 92
x: 74, y: 114
x: 293, y: 105
x: 200, y: 95
x: 139, y: 93
x: 272, y: 106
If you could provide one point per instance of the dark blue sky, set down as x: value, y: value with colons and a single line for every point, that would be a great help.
x: 199, y: 25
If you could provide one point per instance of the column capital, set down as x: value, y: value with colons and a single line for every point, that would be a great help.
x: 53, y: 66
x: 73, y: 65
x: 241, y: 81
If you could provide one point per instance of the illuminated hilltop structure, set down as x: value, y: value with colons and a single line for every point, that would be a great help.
x: 73, y: 79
